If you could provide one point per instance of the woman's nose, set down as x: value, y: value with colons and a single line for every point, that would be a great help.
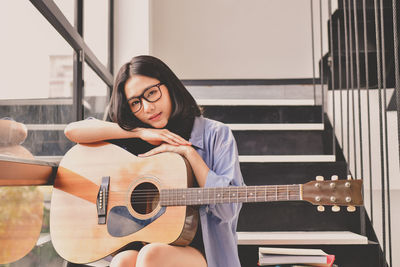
x: 147, y: 106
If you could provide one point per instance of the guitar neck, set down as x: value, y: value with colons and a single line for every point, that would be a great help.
x: 234, y: 194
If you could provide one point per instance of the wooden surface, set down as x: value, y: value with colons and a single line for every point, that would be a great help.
x: 75, y: 233
x: 17, y: 170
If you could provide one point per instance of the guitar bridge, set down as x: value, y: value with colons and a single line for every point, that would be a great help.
x: 102, y: 200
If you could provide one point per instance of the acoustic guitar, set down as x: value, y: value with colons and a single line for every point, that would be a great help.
x: 105, y: 198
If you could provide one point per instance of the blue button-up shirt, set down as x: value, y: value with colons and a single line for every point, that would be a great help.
x: 215, y: 143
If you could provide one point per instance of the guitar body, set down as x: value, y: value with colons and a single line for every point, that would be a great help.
x: 132, y: 216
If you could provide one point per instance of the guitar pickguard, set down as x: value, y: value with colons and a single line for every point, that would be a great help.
x: 121, y: 223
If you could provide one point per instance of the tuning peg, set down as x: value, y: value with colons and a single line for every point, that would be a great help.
x: 319, y: 178
x: 334, y: 177
x: 351, y: 209
x: 349, y: 177
x: 335, y: 208
x: 321, y: 208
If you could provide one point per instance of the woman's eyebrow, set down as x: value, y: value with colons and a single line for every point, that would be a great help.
x: 148, y: 87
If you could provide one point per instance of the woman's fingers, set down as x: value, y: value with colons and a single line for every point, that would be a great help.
x: 154, y: 135
x: 154, y: 151
x: 175, y: 139
x: 182, y: 150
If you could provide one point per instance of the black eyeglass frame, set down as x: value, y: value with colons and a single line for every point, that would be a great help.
x: 140, y: 97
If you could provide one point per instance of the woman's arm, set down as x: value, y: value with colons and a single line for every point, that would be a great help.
x: 94, y: 130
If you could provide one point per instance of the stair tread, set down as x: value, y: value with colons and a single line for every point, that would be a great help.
x: 254, y: 102
x: 287, y: 158
x: 301, y: 238
x: 275, y: 126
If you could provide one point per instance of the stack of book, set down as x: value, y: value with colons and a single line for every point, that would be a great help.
x: 310, y: 257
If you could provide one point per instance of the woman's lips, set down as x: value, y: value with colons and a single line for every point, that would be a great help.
x: 155, y: 117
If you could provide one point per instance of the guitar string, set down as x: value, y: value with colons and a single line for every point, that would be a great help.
x: 248, y: 188
x: 218, y: 200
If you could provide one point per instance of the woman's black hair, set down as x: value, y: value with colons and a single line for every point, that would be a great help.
x: 184, y: 107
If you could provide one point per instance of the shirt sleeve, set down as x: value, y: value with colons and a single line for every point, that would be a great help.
x: 224, y: 172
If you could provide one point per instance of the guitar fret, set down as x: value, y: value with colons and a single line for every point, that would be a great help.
x: 265, y: 193
x: 232, y: 194
x: 242, y: 196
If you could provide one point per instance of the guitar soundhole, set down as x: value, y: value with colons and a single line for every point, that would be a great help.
x: 145, y: 198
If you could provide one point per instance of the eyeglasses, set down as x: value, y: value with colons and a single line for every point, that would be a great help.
x: 151, y: 94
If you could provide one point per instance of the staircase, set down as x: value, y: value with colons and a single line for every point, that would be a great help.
x: 282, y: 139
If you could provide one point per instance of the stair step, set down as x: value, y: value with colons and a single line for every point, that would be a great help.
x: 301, y: 238
x: 290, y: 172
x: 362, y: 255
x: 282, y: 142
x: 295, y: 216
x: 264, y: 114
x: 275, y: 126
x: 273, y: 91
x: 255, y: 102
x: 286, y: 158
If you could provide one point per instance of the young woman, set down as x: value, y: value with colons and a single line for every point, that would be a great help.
x: 152, y: 112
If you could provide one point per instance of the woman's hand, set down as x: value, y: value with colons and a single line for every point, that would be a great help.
x: 181, y: 150
x: 159, y: 136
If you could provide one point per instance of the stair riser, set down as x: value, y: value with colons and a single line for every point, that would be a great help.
x: 282, y: 143
x: 295, y: 216
x: 264, y: 114
x: 289, y: 173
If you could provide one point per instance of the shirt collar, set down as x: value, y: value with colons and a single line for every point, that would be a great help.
x: 196, y: 137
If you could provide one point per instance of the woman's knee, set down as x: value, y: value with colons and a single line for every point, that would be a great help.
x: 152, y: 255
x: 125, y: 258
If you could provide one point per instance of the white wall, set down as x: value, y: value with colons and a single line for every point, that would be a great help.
x: 132, y: 30
x: 28, y: 42
x: 225, y: 39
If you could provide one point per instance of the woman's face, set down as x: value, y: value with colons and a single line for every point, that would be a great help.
x: 155, y: 114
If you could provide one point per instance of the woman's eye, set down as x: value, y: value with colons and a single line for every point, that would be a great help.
x: 135, y: 103
x: 151, y: 92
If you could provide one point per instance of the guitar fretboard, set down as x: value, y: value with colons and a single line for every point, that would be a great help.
x: 233, y: 194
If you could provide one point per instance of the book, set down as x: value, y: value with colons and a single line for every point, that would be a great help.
x: 312, y: 257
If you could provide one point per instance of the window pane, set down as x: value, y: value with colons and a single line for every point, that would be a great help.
x: 95, y: 28
x: 95, y: 94
x: 36, y: 75
x: 67, y: 8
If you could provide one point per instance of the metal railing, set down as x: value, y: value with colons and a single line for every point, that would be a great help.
x: 363, y: 69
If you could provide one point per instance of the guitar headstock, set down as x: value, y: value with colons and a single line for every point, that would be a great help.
x: 334, y: 193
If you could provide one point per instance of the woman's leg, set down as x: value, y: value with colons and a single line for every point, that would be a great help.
x: 157, y: 254
x: 125, y: 258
